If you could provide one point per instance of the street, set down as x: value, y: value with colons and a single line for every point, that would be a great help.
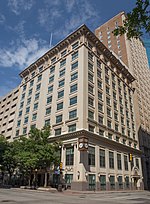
x: 18, y: 196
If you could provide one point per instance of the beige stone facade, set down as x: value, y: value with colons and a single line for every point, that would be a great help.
x: 82, y: 90
x: 133, y: 54
x: 8, y: 106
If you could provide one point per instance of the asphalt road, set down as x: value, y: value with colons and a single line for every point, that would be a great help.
x: 21, y: 196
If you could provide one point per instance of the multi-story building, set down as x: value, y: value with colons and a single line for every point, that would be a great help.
x: 133, y: 54
x: 85, y: 93
x: 8, y: 106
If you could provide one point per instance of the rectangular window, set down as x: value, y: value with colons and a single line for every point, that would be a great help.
x: 35, y: 106
x: 32, y: 74
x: 90, y: 56
x: 74, y: 76
x: 127, y: 182
x: 63, y: 63
x: 62, y: 72
x: 52, y: 69
x: 27, y: 110
x: 24, y: 130
x: 48, y: 111
x: 102, y: 158
x: 106, y: 80
x: 18, y: 123
x: 40, y: 68
x: 126, y: 163
x: 28, y: 101
x: 91, y: 156
x: 109, y: 123
x: 60, y: 94
x: 99, y: 73
x: 74, y: 55
x: 91, y: 114
x: 26, y: 120
x: 30, y: 92
x: 91, y: 128
x: 69, y: 156
x: 73, y: 114
x: 39, y: 78
x: 72, y: 128
x: 99, y: 84
x: 98, y: 64
x: 60, y: 106
x: 63, y: 53
x: 24, y: 87
x: 31, y: 83
x: 76, y: 44
x: 73, y: 88
x: 37, y: 95
x: 108, y: 112
x: 50, y: 89
x: 100, y: 119
x: 90, y: 89
x: 23, y: 96
x: 47, y: 122
x: 34, y: 116
x: 61, y: 83
x: 17, y: 132
x: 108, y: 101
x: 58, y: 132
x: 112, y: 182
x: 21, y: 104
x: 103, y: 182
x: 74, y: 66
x: 90, y: 66
x: 51, y: 79
x: 58, y: 118
x: 119, y: 165
x: 100, y: 95
x: 120, y: 183
x: 20, y: 113
x: 90, y: 77
x: 53, y: 60
x: 49, y: 100
x: 111, y: 160
x: 90, y: 101
x: 38, y: 87
x: 100, y: 107
x: 73, y: 100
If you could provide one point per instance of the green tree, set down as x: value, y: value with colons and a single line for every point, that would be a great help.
x: 3, y: 147
x: 36, y: 153
x: 137, y: 21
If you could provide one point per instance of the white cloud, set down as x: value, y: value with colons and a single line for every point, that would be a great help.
x: 2, y: 18
x: 24, y: 54
x: 17, y: 5
x: 86, y: 14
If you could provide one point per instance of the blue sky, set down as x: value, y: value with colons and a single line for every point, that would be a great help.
x: 26, y: 27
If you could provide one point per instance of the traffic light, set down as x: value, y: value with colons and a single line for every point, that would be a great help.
x: 130, y: 157
x: 61, y: 166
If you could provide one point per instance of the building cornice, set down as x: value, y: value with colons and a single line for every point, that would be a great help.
x: 97, y: 139
x: 82, y: 30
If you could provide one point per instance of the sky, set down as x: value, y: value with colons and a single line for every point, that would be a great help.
x: 26, y: 27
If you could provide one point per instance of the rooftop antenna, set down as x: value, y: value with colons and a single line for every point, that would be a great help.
x: 50, y: 42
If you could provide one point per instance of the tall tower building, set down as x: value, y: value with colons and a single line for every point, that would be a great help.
x: 133, y: 54
x: 85, y: 93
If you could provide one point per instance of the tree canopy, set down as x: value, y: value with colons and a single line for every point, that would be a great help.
x: 27, y: 154
x: 137, y: 21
